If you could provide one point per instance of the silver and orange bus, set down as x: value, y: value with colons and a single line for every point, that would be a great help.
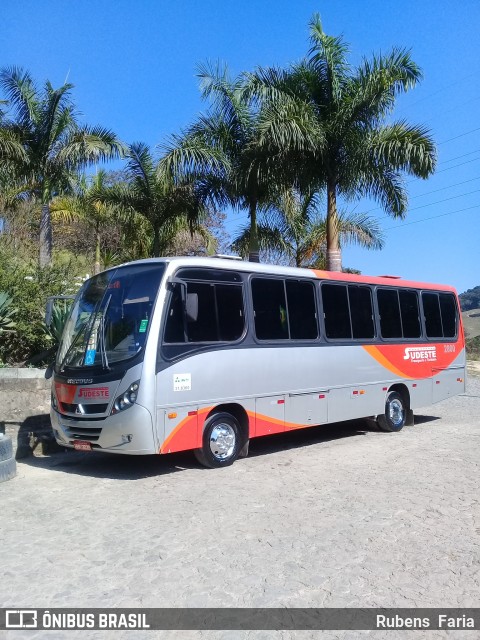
x: 203, y: 354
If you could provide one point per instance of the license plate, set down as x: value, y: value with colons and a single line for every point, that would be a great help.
x: 82, y: 445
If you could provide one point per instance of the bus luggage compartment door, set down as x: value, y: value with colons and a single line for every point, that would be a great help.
x: 306, y: 409
x: 269, y: 415
x: 448, y: 382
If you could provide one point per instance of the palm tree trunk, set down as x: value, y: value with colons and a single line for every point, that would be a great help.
x: 96, y: 266
x: 45, y: 236
x: 254, y: 252
x: 156, y: 242
x: 334, y: 254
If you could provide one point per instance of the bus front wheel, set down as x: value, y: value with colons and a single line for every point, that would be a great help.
x: 395, y: 414
x: 221, y: 442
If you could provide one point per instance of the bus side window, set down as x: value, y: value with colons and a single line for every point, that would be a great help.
x: 448, y: 310
x: 410, y: 314
x: 204, y: 327
x: 433, y: 318
x: 389, y: 310
x: 336, y: 312
x: 270, y: 308
x: 440, y: 314
x: 301, y: 310
x: 231, y: 317
x: 174, y: 324
x: 219, y: 314
x: 361, y: 312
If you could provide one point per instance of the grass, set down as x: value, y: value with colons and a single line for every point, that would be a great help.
x: 471, y: 323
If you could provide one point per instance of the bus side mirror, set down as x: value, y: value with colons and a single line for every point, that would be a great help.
x: 191, y: 307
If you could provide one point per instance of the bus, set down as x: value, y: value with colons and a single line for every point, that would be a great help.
x: 204, y: 354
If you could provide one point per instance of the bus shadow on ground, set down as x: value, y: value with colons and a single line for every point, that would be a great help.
x: 112, y: 466
x: 124, y: 467
x: 298, y: 438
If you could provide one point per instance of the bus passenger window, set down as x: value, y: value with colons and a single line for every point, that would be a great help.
x: 204, y: 327
x: 410, y: 314
x: 219, y: 317
x: 361, y: 312
x: 174, y: 331
x: 448, y: 310
x: 301, y: 310
x: 433, y: 319
x: 270, y: 309
x: 336, y: 311
x: 440, y: 315
x: 389, y: 309
x: 230, y: 311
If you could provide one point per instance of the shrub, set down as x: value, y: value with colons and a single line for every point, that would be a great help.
x: 29, y: 288
x: 7, y: 312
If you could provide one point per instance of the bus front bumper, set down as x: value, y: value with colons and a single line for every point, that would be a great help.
x: 129, y: 432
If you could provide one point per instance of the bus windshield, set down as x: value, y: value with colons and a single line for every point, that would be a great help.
x: 109, y: 320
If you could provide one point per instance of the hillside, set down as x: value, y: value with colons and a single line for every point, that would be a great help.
x: 470, y: 299
x: 471, y: 323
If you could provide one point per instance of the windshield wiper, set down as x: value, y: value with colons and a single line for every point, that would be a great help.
x: 87, y: 325
x: 103, y: 348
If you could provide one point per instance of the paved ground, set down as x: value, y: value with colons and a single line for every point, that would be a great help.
x: 334, y: 516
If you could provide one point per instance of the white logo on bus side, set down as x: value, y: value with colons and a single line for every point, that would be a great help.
x: 182, y: 381
x: 420, y: 354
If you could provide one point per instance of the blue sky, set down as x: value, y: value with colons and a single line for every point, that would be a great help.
x: 133, y: 66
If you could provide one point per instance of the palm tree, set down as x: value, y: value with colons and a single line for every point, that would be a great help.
x: 359, y: 154
x: 55, y: 146
x: 296, y: 233
x: 85, y: 205
x: 229, y: 151
x: 169, y: 205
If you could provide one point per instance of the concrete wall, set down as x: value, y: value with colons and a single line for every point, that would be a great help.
x: 23, y: 393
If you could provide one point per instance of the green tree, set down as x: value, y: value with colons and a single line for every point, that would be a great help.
x: 295, y: 232
x: 358, y: 154
x: 85, y: 205
x: 55, y: 146
x: 28, y: 287
x: 230, y: 148
x: 168, y: 204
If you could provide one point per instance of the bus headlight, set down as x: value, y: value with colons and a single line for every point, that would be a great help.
x: 126, y: 399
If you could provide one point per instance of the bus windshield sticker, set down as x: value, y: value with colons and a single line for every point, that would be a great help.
x: 182, y: 381
x: 143, y: 326
x: 90, y: 357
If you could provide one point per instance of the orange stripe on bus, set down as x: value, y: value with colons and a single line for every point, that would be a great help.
x: 381, y: 359
x: 186, y: 434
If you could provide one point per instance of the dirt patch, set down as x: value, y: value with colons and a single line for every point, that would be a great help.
x: 473, y: 367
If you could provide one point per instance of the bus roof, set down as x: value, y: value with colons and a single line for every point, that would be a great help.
x: 175, y: 262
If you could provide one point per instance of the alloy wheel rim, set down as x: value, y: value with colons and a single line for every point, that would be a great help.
x: 222, y: 441
x: 395, y: 412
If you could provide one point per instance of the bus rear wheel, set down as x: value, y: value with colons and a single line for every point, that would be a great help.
x: 221, y: 442
x: 395, y: 414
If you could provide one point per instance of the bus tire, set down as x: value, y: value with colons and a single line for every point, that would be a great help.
x: 222, y: 441
x: 395, y: 414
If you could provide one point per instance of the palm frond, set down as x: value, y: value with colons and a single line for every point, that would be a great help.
x: 405, y: 147
x: 88, y: 145
x: 328, y: 57
x: 360, y: 229
x: 192, y: 154
x: 11, y: 147
x: 22, y: 94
